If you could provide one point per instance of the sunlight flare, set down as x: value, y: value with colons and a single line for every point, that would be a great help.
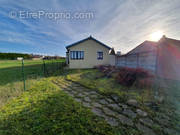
x: 156, y: 35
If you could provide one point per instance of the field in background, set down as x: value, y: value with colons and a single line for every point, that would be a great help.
x: 11, y: 79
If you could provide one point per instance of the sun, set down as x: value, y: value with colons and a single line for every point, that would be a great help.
x: 156, y: 35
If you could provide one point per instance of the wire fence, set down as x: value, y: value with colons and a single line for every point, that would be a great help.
x: 44, y: 69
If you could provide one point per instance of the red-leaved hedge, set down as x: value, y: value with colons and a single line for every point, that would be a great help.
x: 138, y: 76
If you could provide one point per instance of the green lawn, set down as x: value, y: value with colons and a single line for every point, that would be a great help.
x: 45, y: 109
x: 11, y: 84
x: 17, y: 63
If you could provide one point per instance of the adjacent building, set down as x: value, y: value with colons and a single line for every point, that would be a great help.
x: 162, y: 58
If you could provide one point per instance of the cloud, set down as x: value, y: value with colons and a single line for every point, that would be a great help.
x: 121, y: 24
x: 134, y: 21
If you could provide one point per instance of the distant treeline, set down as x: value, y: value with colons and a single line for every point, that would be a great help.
x: 13, y: 56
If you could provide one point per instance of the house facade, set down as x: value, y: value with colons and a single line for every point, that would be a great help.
x: 87, y: 53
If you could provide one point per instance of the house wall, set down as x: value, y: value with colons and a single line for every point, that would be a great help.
x: 112, y: 60
x: 90, y: 48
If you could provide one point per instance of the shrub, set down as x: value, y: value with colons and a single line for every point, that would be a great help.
x: 128, y: 76
x: 144, y: 83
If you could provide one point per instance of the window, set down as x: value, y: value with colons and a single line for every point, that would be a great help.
x: 99, y: 55
x: 77, y: 55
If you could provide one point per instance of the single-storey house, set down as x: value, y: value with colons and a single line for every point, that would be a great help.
x: 88, y: 53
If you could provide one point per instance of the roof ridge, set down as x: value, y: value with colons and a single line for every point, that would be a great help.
x: 90, y: 37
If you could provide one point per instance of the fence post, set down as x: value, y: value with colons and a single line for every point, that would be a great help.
x: 23, y: 75
x: 44, y: 67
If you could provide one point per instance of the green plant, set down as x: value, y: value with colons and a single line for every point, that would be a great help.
x: 45, y: 109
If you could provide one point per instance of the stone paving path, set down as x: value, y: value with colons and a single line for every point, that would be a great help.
x: 109, y: 108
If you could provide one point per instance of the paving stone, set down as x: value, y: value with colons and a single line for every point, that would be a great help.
x: 112, y: 121
x: 94, y: 96
x: 86, y: 104
x: 145, y: 130
x: 109, y: 112
x: 129, y: 113
x: 146, y: 121
x: 123, y: 106
x: 70, y: 94
x: 132, y: 102
x: 87, y: 99
x: 170, y: 131
x: 110, y: 100
x: 97, y: 111
x: 85, y: 92
x: 115, y: 98
x: 73, y: 92
x: 97, y: 105
x: 82, y: 90
x: 92, y: 92
x: 141, y: 113
x: 103, y: 101
x: 80, y: 95
x: 162, y: 121
x: 78, y: 99
x: 125, y: 120
x: 115, y: 107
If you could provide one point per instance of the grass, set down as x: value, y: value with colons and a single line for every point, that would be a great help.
x: 17, y: 63
x: 94, y: 79
x: 11, y: 84
x: 170, y: 106
x: 45, y: 109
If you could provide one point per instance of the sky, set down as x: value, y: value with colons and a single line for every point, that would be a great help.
x: 122, y: 24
